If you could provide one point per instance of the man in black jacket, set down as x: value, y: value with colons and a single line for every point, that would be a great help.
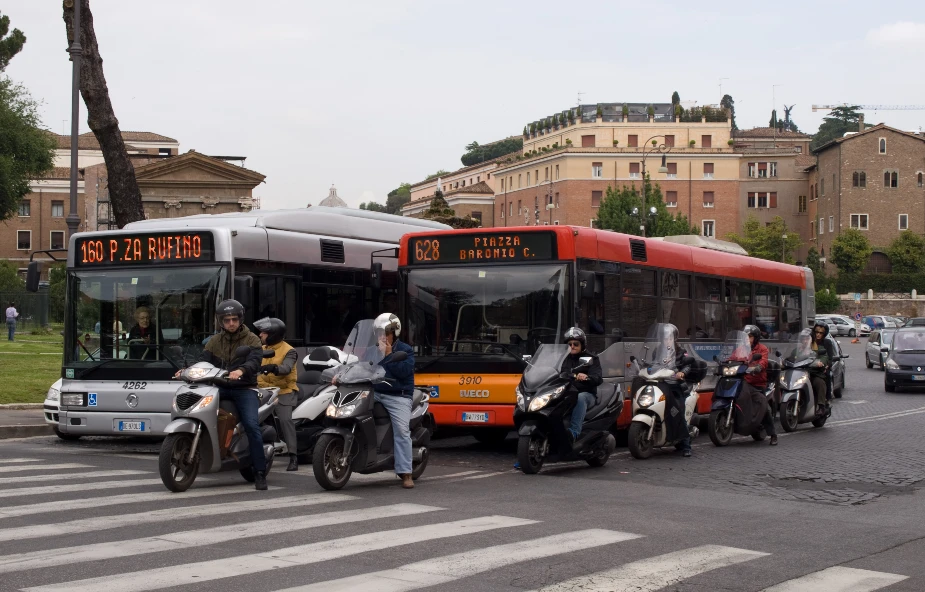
x: 586, y: 380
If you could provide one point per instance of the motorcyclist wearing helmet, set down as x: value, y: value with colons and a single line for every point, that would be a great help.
x: 219, y: 351
x: 280, y: 371
x: 683, y: 364
x: 397, y: 394
x: 825, y: 353
x: 586, y: 380
x: 757, y: 376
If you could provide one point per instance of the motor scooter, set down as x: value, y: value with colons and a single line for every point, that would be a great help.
x: 798, y: 401
x: 736, y: 408
x: 651, y: 427
x: 205, y: 435
x: 359, y: 433
x: 546, y: 397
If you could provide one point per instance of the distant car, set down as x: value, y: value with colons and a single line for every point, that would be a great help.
x: 839, y: 325
x: 864, y: 329
x: 915, y: 322
x: 905, y: 366
x: 837, y: 371
x: 879, y: 322
x: 878, y: 347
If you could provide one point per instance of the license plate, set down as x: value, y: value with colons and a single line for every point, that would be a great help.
x: 918, y: 377
x: 131, y: 426
x: 475, y: 417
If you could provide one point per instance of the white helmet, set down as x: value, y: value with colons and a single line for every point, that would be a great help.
x: 387, y: 323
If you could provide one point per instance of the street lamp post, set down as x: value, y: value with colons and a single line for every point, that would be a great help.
x: 662, y: 149
x: 76, y: 51
x: 783, y: 248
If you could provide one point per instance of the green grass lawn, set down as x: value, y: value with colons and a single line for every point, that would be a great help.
x: 28, y: 366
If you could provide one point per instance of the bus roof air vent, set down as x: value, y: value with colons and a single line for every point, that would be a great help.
x: 638, y: 250
x: 332, y: 251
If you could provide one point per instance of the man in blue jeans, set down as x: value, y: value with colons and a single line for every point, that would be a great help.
x: 586, y: 380
x: 396, y: 396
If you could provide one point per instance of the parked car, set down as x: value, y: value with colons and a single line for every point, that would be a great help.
x: 838, y: 369
x: 863, y: 329
x: 879, y: 322
x: 839, y: 325
x: 905, y: 366
x: 878, y: 347
x: 915, y: 322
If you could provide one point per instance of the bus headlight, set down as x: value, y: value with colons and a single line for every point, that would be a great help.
x: 73, y: 400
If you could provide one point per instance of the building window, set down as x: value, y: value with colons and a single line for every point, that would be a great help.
x: 57, y: 240
x: 537, y: 176
x: 464, y: 182
x: 24, y: 240
x: 502, y: 184
x: 669, y: 141
x: 752, y: 199
x: 801, y: 204
x: 762, y: 200
x: 528, y: 179
x: 587, y: 141
x: 882, y: 145
x: 772, y: 169
x: 708, y: 199
x: 822, y: 225
x: 557, y: 199
x: 25, y: 207
x: 510, y: 209
x: 822, y: 186
x: 555, y: 222
x: 477, y: 216
x: 706, y: 141
x: 546, y: 174
x: 597, y: 170
x: 890, y: 179
x: 518, y: 181
x: 163, y: 151
x: 502, y: 211
x: 762, y: 170
x: 548, y: 200
x: 812, y: 192
x: 772, y: 199
x: 671, y: 199
x: 634, y: 170
x: 557, y: 172
x: 596, y: 198
x: 478, y: 179
x: 672, y: 170
x: 831, y: 223
x: 632, y: 141
x: 520, y: 208
x: 859, y: 221
x: 707, y: 168
x: 904, y: 221
x: 859, y: 179
x: 709, y: 228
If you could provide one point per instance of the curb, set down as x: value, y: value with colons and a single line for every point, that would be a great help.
x: 25, y: 431
x: 21, y: 406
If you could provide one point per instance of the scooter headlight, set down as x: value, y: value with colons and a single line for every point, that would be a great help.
x: 646, y: 398
x: 797, y: 383
x: 544, y: 399
x: 345, y: 404
x: 730, y: 370
x: 192, y: 374
x: 520, y: 397
x: 202, y: 403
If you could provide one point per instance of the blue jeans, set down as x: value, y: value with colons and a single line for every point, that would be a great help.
x: 585, y: 400
x: 399, y: 409
x: 247, y: 404
x: 11, y: 330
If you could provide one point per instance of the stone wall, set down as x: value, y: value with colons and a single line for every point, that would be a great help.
x: 886, y: 306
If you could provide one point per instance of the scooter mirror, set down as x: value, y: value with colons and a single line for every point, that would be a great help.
x: 585, y: 360
x: 268, y: 353
x: 632, y: 358
x: 399, y: 356
x: 777, y: 353
x: 242, y: 352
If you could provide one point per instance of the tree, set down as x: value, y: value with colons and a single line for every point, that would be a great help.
x: 773, y: 122
x: 907, y: 253
x: 850, y: 251
x: 476, y: 153
x: 439, y: 173
x: 10, y: 43
x: 839, y: 121
x: 372, y: 206
x: 56, y: 282
x: 616, y: 212
x: 728, y: 104
x: 814, y: 263
x: 397, y: 198
x: 26, y: 152
x: 9, y: 278
x: 675, y: 99
x: 124, y: 194
x: 827, y: 301
x: 440, y: 211
x: 767, y: 241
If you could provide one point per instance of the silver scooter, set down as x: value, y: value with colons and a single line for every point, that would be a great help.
x: 205, y: 435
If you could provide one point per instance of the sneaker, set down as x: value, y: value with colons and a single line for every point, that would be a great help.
x: 774, y: 440
x: 260, y: 481
x: 293, y: 463
x: 687, y: 454
x: 406, y: 481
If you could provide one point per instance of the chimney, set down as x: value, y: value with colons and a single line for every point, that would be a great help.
x: 860, y: 122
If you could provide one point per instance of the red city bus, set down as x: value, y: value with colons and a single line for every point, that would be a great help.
x: 478, y: 302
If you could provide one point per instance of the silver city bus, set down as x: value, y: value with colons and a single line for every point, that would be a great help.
x: 140, y: 301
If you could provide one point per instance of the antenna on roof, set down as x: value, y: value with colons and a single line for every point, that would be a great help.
x: 579, y: 99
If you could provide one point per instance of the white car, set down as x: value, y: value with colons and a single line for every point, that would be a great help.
x: 839, y: 325
x: 51, y: 407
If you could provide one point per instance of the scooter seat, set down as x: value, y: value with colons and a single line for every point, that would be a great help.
x: 606, y: 393
x: 380, y: 415
x: 307, y: 391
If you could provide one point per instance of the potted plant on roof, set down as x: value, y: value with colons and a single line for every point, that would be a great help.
x: 533, y: 129
x: 650, y: 111
x: 568, y: 142
x: 626, y: 112
x: 525, y: 132
x: 691, y: 143
x: 600, y: 112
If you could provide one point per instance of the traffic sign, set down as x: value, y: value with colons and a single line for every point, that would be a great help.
x: 857, y: 316
x: 857, y: 297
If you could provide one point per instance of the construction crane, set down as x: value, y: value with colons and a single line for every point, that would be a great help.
x: 871, y: 107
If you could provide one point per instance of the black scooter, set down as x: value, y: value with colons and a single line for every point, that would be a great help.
x: 546, y: 397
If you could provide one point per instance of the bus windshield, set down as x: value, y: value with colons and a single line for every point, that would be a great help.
x: 140, y: 317
x: 489, y: 310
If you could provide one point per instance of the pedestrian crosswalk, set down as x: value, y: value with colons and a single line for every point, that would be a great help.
x: 93, y: 529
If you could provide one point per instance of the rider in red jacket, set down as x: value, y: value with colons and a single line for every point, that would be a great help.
x: 759, y: 378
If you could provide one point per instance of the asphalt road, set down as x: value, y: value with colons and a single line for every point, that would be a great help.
x: 830, y: 509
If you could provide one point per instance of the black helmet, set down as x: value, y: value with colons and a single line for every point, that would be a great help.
x: 753, y: 331
x: 273, y: 327
x: 821, y: 325
x: 228, y: 308
x: 576, y: 333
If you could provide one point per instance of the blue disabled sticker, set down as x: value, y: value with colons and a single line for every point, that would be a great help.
x: 91, y: 399
x: 435, y: 392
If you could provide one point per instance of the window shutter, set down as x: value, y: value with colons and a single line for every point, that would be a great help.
x: 708, y: 197
x: 708, y: 167
x: 632, y: 141
x: 773, y: 199
x: 634, y: 167
x: 706, y: 142
x: 587, y: 141
x: 762, y: 166
x: 669, y: 141
x: 672, y: 168
x: 671, y: 197
x: 596, y: 198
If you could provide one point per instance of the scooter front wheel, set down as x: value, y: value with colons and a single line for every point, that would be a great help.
x: 177, y: 471
x: 531, y: 453
x: 638, y: 440
x: 720, y: 432
x: 328, y: 464
x: 790, y: 415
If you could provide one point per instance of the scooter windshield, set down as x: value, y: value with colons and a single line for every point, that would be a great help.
x: 661, y: 347
x: 801, y: 349
x: 735, y: 348
x: 364, y: 343
x: 359, y: 372
x: 545, y: 365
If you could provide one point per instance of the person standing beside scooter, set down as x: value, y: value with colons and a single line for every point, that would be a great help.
x: 280, y: 371
x: 759, y: 379
x: 682, y: 363
x: 585, y: 381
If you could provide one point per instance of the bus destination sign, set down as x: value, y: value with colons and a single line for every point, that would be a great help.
x: 144, y: 249
x: 494, y: 247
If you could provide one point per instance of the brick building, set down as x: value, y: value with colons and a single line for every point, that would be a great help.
x: 871, y: 180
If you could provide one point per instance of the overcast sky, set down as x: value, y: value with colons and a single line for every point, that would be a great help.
x: 367, y: 95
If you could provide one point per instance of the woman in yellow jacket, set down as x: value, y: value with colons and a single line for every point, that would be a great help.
x: 280, y: 371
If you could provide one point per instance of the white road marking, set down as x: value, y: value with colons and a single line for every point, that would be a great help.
x: 197, y: 538
x: 443, y: 570
x: 69, y: 476
x: 18, y: 460
x: 839, y: 579
x: 75, y: 487
x: 19, y: 468
x: 206, y: 571
x: 133, y: 520
x: 654, y: 573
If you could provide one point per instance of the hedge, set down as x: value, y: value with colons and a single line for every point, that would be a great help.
x: 879, y: 282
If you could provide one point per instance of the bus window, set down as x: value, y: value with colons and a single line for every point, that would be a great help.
x: 737, y: 317
x: 790, y: 323
x: 708, y: 289
x: 678, y: 313
x: 676, y: 285
x: 766, y: 295
x: 738, y: 293
x: 790, y: 297
x: 638, y: 281
x: 767, y: 321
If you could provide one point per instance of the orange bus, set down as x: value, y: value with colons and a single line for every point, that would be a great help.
x: 478, y: 302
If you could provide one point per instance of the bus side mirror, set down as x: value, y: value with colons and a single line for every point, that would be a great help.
x: 375, y: 276
x: 243, y: 289
x: 586, y: 284
x: 33, y: 273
